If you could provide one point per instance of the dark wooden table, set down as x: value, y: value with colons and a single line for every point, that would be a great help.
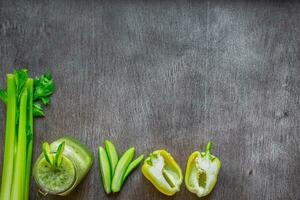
x: 167, y: 74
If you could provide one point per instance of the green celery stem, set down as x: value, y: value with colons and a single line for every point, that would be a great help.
x: 17, y: 192
x: 30, y: 139
x: 8, y: 161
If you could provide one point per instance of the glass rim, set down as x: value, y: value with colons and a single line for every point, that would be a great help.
x: 47, y: 191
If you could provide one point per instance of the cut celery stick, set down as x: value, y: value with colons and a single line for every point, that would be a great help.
x: 29, y: 138
x: 17, y: 192
x: 9, y: 148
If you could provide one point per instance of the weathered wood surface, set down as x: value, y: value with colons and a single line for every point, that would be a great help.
x: 168, y: 74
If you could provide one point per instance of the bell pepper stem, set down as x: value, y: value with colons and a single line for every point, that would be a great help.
x: 208, y: 148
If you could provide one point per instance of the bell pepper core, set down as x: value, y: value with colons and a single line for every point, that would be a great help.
x: 163, y: 172
x: 202, y: 172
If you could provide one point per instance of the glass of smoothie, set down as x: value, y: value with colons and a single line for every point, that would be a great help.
x: 76, y: 163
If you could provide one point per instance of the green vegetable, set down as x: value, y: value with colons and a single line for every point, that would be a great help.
x: 134, y: 164
x: 161, y: 169
x: 54, y: 158
x: 112, y: 155
x: 121, y: 168
x: 105, y: 169
x: 20, y: 163
x: 38, y: 110
x: 114, y: 171
x: 29, y: 137
x: 3, y: 96
x: 40, y: 83
x: 10, y: 139
x: 59, y: 154
x: 202, y: 172
x: 44, y: 87
x: 22, y: 98
x: 47, y: 153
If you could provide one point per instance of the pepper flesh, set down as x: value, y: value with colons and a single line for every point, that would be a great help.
x: 163, y: 172
x: 202, y: 172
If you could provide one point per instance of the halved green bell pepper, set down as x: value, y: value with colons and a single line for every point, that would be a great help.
x: 163, y: 172
x: 202, y: 172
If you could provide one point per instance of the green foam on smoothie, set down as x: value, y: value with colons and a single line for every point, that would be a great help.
x: 55, y: 180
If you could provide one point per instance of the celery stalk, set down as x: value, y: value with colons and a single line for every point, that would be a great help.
x: 17, y: 192
x: 9, y: 148
x: 25, y: 99
x: 29, y: 138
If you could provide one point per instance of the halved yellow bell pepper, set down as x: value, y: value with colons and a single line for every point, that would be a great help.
x: 202, y: 172
x: 163, y: 172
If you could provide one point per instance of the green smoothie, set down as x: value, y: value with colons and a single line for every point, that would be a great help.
x: 76, y: 163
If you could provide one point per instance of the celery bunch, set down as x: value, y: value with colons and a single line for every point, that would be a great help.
x: 24, y: 99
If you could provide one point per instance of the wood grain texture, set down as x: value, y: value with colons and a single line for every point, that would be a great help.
x: 167, y: 74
